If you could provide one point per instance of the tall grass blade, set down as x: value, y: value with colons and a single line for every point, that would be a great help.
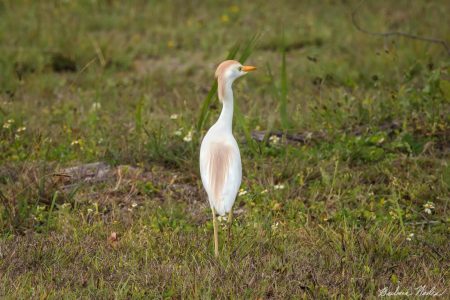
x: 138, y: 117
x: 248, y: 49
x: 280, y: 91
x: 240, y: 121
x: 284, y: 117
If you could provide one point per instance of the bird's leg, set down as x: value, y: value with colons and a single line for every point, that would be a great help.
x: 216, y: 234
x: 230, y: 223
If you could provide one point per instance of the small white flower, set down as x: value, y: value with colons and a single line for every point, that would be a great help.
x: 428, y: 207
x: 274, y: 139
x: 242, y: 192
x: 20, y: 129
x: 279, y: 187
x: 8, y: 123
x: 178, y: 132
x: 90, y: 210
x: 264, y: 191
x: 221, y: 219
x: 188, y: 137
x: 75, y: 142
x: 275, y: 226
x: 134, y: 204
x: 66, y: 205
x: 410, y: 236
x: 174, y: 116
x: 96, y: 106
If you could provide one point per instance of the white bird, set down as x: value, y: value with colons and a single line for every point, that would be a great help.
x: 220, y: 159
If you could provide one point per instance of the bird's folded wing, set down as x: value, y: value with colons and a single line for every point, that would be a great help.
x: 219, y: 158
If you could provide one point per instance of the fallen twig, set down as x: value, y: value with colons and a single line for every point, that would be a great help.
x: 308, y: 136
x: 295, y: 137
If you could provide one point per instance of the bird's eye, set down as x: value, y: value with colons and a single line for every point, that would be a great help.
x: 240, y: 69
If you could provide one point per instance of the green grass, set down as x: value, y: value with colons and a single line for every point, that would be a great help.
x: 360, y: 205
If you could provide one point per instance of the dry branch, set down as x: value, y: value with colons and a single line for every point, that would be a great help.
x: 397, y: 33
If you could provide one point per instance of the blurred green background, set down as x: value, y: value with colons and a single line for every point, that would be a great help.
x: 358, y: 204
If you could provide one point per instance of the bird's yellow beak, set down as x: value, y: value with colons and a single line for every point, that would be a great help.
x: 248, y: 68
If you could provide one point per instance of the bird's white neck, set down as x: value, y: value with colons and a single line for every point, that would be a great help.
x: 226, y: 116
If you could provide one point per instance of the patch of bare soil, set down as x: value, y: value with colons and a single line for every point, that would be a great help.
x: 109, y: 186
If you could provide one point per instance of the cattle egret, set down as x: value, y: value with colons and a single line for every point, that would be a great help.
x: 220, y: 160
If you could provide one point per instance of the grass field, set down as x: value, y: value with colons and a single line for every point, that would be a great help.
x: 357, y: 204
